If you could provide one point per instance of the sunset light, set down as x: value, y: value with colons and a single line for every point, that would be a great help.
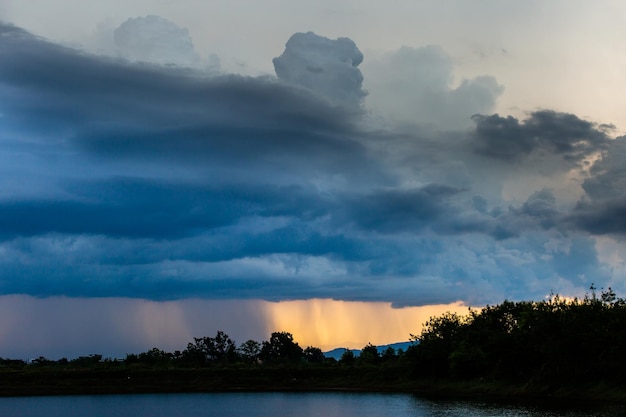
x: 338, y: 170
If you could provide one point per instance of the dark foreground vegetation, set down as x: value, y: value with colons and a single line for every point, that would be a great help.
x: 556, y: 348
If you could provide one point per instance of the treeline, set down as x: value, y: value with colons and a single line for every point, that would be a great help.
x: 221, y: 351
x: 553, y: 342
x: 536, y: 345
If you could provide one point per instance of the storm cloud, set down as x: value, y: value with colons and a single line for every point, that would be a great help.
x: 417, y: 85
x: 131, y: 178
x: 561, y: 134
x: 328, y: 67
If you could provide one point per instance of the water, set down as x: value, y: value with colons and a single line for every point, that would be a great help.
x: 272, y: 404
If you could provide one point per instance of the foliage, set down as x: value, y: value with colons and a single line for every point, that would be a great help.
x: 546, y: 342
x: 84, y: 360
x: 388, y: 354
x: 12, y: 363
x: 281, y: 348
x: 552, y: 343
x: 369, y: 355
x: 314, y: 354
x: 204, y: 350
x: 347, y: 357
x: 154, y: 357
x: 249, y: 351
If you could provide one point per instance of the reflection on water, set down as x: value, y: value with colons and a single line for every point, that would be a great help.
x: 449, y: 408
x: 273, y: 404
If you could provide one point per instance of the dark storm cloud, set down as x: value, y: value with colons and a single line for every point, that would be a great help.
x: 77, y: 90
x: 602, y: 218
x: 603, y: 210
x: 548, y: 131
x: 540, y: 208
x: 398, y: 211
x: 607, y: 179
x: 140, y: 208
x: 140, y: 180
x: 167, y: 269
x: 443, y: 210
x: 287, y: 148
x: 115, y: 109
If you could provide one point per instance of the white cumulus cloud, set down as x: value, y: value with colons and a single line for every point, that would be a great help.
x: 416, y: 85
x: 156, y: 40
x: 326, y: 66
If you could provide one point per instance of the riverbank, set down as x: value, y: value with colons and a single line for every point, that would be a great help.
x: 137, y: 381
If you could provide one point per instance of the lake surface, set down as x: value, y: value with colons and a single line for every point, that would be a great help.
x: 274, y: 404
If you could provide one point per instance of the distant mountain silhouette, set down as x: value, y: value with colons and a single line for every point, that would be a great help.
x: 337, y: 352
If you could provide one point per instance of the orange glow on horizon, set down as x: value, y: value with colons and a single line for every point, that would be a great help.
x: 329, y: 324
x: 32, y: 327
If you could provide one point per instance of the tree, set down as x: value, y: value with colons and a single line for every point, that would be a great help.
x: 314, y: 355
x: 369, y: 354
x: 42, y: 360
x: 195, y: 353
x: 218, y: 349
x: 389, y: 354
x: 154, y: 357
x: 347, y: 357
x: 281, y: 348
x: 222, y: 348
x: 436, y: 342
x: 553, y: 341
x: 249, y: 350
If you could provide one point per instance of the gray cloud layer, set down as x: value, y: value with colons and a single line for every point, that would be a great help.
x: 163, y: 182
x: 545, y: 131
x: 415, y: 85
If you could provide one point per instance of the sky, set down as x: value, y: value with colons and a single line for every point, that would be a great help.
x: 340, y: 170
